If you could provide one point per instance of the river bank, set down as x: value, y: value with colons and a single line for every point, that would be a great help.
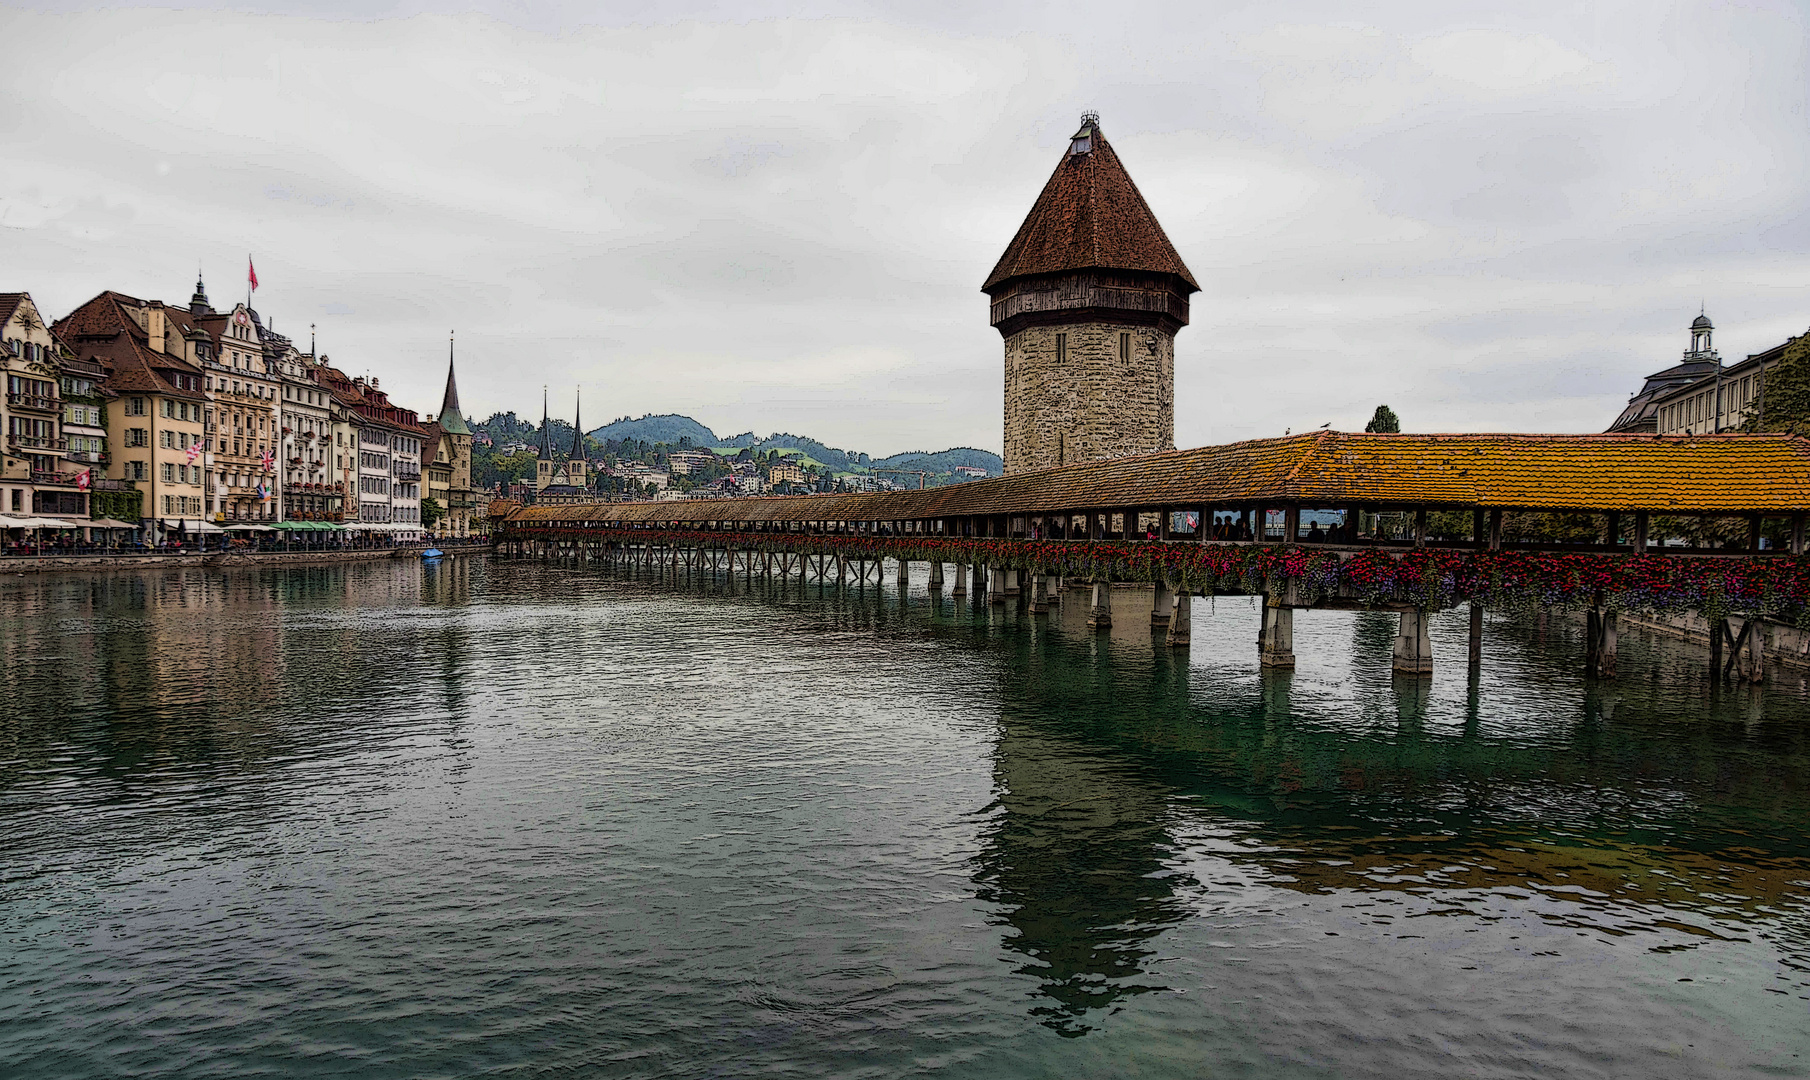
x: 47, y: 564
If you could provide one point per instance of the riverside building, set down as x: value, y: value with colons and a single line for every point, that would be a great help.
x: 37, y: 475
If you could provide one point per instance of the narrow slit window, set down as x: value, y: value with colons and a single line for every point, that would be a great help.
x: 1061, y: 348
x: 1125, y: 348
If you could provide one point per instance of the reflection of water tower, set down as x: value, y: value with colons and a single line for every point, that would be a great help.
x: 1076, y: 862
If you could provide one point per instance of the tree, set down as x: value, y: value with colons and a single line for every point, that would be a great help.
x: 1785, y: 392
x: 431, y: 512
x: 1384, y: 421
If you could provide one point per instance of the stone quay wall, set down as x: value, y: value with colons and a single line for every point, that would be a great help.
x: 214, y: 559
x: 1092, y: 405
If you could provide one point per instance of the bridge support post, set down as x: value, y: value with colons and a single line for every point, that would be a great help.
x: 996, y: 585
x: 1476, y: 643
x: 1599, y: 655
x: 1052, y: 588
x: 1099, y: 615
x: 960, y: 588
x: 1162, y: 603
x: 1740, y: 653
x: 1011, y: 581
x: 1040, y: 594
x: 936, y: 576
x: 1177, y: 638
x: 1414, y: 645
x: 1276, y: 641
x: 904, y: 575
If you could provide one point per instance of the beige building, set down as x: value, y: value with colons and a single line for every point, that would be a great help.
x: 1719, y: 397
x: 37, y: 479
x: 446, y: 464
x: 244, y: 387
x: 156, y: 421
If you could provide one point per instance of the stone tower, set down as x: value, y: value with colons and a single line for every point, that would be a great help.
x: 1088, y: 296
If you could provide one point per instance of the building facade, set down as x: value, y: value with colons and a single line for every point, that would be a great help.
x: 308, y: 491
x: 242, y: 421
x: 37, y: 476
x: 156, y: 415
x: 1088, y: 298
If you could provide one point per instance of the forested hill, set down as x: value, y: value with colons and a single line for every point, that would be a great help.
x: 673, y: 429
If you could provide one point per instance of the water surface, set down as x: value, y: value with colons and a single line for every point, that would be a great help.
x: 494, y: 818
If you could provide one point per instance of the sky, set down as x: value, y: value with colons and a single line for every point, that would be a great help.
x: 777, y: 217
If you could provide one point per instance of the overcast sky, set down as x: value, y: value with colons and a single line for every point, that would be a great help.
x: 1493, y: 218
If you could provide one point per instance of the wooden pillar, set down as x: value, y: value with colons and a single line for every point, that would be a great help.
x: 1476, y: 642
x: 1612, y: 528
x: 1495, y: 530
x: 1797, y: 534
x: 1479, y: 531
x: 1162, y: 526
x: 1640, y: 532
x: 1753, y: 532
x: 1420, y: 527
x: 1128, y: 525
x: 1203, y: 532
x: 1291, y: 523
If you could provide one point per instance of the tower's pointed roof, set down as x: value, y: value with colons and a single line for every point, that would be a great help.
x: 546, y: 445
x: 452, y: 421
x: 577, y: 429
x: 1089, y: 217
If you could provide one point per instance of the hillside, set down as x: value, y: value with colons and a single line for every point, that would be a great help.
x: 668, y: 429
x: 944, y: 460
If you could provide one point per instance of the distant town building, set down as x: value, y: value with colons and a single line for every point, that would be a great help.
x: 1700, y: 394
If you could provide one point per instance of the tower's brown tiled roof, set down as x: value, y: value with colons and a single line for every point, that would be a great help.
x: 1089, y: 217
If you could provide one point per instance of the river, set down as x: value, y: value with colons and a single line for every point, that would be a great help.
x: 495, y: 818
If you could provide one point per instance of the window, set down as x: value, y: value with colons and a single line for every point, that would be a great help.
x: 135, y: 406
x: 1061, y: 348
x: 1125, y: 348
x: 167, y: 473
x: 136, y: 470
x: 137, y: 437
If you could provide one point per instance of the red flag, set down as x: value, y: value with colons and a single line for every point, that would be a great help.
x: 83, y: 479
x: 251, y: 273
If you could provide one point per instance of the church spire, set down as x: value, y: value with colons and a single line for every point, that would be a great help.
x: 577, y: 428
x: 546, y: 445
x: 198, y: 303
x: 452, y: 421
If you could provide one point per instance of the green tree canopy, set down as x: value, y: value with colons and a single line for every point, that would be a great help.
x: 1384, y: 420
x: 1784, y: 399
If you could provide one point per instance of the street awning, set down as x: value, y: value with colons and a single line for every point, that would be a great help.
x: 194, y: 525
x: 28, y: 523
x: 110, y: 523
x: 249, y: 528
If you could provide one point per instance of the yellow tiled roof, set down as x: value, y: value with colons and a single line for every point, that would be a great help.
x: 1680, y: 474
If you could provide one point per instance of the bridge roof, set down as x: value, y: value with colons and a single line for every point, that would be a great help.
x: 1705, y: 474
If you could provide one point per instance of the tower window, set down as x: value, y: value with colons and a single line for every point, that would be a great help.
x: 1061, y: 348
x: 1125, y: 348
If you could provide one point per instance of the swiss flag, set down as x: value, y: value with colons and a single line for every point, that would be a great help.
x: 83, y: 479
x: 251, y: 273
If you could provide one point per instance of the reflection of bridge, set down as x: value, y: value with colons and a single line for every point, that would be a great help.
x: 1122, y: 520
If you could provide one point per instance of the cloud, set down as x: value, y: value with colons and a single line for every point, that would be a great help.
x: 778, y: 219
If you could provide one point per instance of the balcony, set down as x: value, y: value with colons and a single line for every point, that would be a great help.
x: 33, y: 442
x: 34, y: 401
x: 57, y: 479
x: 403, y: 472
x: 89, y: 457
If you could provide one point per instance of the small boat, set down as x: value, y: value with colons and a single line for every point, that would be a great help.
x: 432, y: 553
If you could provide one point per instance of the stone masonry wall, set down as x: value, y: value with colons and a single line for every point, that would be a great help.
x: 1093, y: 407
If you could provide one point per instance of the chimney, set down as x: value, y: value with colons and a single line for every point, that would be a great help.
x: 154, y: 324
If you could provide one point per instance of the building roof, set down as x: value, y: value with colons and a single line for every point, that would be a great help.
x: 1665, y: 474
x: 103, y: 330
x: 1702, y: 322
x: 451, y: 419
x: 1643, y: 408
x: 9, y: 303
x: 1090, y: 216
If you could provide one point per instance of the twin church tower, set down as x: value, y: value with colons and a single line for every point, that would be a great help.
x: 1088, y: 296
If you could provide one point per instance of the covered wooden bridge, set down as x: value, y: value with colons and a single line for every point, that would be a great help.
x: 1184, y: 520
